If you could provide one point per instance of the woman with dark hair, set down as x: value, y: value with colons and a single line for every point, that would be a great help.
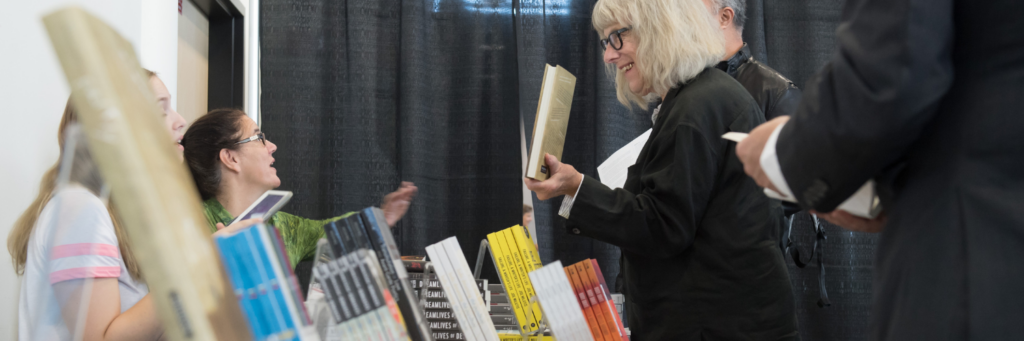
x: 698, y: 237
x: 232, y: 163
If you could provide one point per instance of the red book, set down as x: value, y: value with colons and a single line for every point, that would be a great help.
x: 588, y: 287
x: 604, y: 299
x: 588, y: 311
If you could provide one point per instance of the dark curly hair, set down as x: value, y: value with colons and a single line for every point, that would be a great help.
x: 217, y: 130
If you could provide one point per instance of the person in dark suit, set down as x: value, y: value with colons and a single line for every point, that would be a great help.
x: 774, y: 93
x: 698, y: 237
x: 924, y: 97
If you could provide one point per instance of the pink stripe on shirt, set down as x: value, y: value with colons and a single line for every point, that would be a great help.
x: 85, y: 249
x: 85, y: 272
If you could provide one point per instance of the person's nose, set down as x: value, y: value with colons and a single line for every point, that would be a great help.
x: 610, y: 55
x: 271, y: 147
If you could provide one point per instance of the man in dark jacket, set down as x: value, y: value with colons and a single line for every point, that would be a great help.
x: 924, y: 96
x: 776, y: 94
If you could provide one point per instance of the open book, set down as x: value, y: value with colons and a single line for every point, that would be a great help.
x: 552, y: 120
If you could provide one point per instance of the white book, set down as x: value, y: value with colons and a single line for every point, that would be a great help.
x: 456, y: 298
x: 557, y: 296
x: 613, y: 171
x: 461, y: 271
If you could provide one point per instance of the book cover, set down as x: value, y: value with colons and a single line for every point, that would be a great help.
x: 281, y: 266
x: 442, y: 265
x: 558, y: 298
x: 391, y: 262
x: 333, y: 236
x: 588, y: 284
x: 524, y: 251
x: 604, y: 296
x: 236, y: 272
x: 510, y: 279
x: 551, y: 121
x: 380, y: 296
x: 471, y: 287
x: 581, y: 295
x: 353, y: 275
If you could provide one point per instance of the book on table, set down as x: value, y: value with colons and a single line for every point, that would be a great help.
x: 552, y: 120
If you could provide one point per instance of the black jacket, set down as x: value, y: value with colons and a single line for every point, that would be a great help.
x: 925, y: 96
x: 776, y: 94
x: 698, y: 237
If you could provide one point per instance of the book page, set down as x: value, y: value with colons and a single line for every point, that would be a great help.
x: 614, y: 170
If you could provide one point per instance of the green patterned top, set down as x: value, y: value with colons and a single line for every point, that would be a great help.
x: 299, y: 234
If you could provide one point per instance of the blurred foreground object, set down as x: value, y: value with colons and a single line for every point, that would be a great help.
x: 158, y: 202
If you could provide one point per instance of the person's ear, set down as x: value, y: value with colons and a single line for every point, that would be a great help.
x: 725, y: 17
x: 229, y: 160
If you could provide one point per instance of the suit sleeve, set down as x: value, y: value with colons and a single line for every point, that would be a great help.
x: 786, y: 104
x: 662, y: 219
x: 871, y: 101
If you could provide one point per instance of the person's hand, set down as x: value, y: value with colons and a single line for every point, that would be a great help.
x: 749, y: 151
x: 563, y: 180
x: 234, y: 227
x: 854, y: 223
x: 397, y: 203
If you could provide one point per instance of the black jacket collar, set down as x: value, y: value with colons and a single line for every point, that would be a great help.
x: 732, y: 65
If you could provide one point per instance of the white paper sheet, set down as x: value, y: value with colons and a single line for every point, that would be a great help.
x: 614, y: 170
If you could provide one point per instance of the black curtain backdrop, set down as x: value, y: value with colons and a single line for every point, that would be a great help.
x: 362, y: 94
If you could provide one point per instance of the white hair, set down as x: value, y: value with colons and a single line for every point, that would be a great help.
x: 676, y: 41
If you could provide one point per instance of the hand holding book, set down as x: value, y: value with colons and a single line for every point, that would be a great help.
x: 564, y: 180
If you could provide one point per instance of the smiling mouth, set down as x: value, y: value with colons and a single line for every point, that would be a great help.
x: 627, y: 67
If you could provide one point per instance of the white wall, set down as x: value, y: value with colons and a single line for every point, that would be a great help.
x: 32, y: 97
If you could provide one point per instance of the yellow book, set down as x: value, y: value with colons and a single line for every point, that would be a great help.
x: 517, y: 337
x: 520, y: 277
x: 524, y: 262
x: 508, y: 280
x: 551, y: 121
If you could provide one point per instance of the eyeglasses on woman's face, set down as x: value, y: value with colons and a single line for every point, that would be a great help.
x: 259, y: 136
x: 614, y: 39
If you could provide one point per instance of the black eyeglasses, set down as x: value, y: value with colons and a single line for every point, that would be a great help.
x: 260, y: 136
x: 614, y: 39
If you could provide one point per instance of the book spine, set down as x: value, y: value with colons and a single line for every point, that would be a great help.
x: 360, y: 323
x: 528, y: 256
x: 439, y: 256
x: 602, y: 294
x: 293, y: 310
x: 271, y: 310
x: 354, y: 275
x: 596, y: 328
x: 510, y: 281
x: 472, y: 288
x: 276, y: 284
x: 229, y: 253
x: 394, y: 325
x: 522, y: 269
x: 392, y: 265
x: 333, y: 234
x: 588, y: 283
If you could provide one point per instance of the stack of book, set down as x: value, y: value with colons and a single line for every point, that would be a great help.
x: 359, y: 298
x: 440, y: 317
x: 462, y: 291
x: 598, y: 307
x: 564, y: 313
x: 501, y: 310
x: 515, y: 255
x: 367, y: 229
x: 264, y: 283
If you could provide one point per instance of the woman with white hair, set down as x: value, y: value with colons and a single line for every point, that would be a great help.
x: 698, y: 237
